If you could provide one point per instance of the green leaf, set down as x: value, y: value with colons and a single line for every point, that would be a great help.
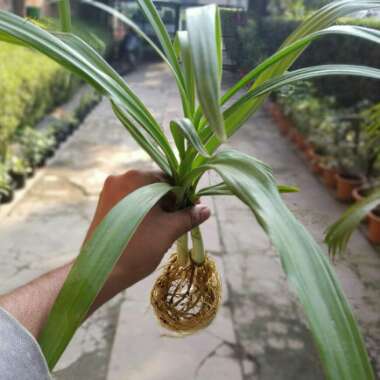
x: 184, y: 47
x: 203, y: 34
x: 93, y: 266
x: 143, y: 141
x: 81, y: 59
x: 287, y: 189
x: 340, y: 232
x: 162, y: 34
x: 347, y: 30
x: 235, y: 116
x: 321, y: 19
x: 333, y: 326
x: 186, y: 127
x: 219, y: 43
x: 223, y: 189
x: 215, y: 190
x: 166, y: 57
x: 65, y: 15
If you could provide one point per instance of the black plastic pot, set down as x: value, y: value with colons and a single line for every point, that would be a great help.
x: 31, y: 172
x: 6, y: 198
x: 60, y: 136
x: 41, y: 162
x: 49, y: 153
x: 18, y: 180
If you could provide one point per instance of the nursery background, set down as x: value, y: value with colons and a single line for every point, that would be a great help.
x: 59, y: 140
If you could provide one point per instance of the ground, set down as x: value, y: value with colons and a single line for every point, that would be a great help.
x: 260, y: 331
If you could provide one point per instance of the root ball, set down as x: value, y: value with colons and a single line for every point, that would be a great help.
x: 186, y: 299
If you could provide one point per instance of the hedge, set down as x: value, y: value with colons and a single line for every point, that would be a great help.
x: 259, y: 40
x: 32, y: 84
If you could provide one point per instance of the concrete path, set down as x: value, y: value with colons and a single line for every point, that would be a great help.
x: 260, y: 331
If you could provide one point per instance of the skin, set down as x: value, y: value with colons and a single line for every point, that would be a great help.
x: 31, y: 303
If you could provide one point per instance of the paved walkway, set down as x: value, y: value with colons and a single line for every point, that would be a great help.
x: 258, y: 334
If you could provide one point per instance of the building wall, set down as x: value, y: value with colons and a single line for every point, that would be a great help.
x: 230, y: 3
x: 5, y: 5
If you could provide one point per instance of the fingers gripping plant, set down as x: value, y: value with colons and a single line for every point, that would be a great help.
x: 209, y: 119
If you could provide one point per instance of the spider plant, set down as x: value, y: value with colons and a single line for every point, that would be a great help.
x: 209, y: 119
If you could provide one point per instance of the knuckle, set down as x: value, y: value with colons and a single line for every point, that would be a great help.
x: 109, y: 181
x: 131, y: 174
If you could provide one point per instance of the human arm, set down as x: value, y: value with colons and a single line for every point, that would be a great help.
x: 31, y: 303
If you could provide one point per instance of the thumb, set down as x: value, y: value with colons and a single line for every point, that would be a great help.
x: 187, y: 219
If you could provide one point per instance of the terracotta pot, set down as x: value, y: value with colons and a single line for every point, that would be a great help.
x: 374, y: 226
x: 358, y: 194
x: 308, y: 146
x: 293, y: 135
x: 272, y: 108
x: 301, y: 142
x: 329, y: 177
x: 285, y: 126
x: 309, y: 154
x: 316, y: 166
x: 346, y: 185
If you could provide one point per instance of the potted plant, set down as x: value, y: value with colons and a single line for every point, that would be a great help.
x: 321, y: 139
x: 339, y: 233
x: 370, y: 127
x: 279, y: 111
x: 18, y: 169
x: 195, y: 59
x: 6, y: 190
x: 36, y: 145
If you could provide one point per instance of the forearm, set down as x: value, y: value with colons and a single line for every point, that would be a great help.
x: 31, y: 303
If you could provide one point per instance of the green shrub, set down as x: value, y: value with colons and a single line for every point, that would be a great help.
x: 31, y: 84
x: 263, y: 37
x: 5, y: 182
x: 35, y: 145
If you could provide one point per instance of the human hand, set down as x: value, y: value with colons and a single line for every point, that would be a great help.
x: 155, y: 235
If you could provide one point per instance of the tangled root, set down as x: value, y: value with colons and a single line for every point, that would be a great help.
x: 186, y: 299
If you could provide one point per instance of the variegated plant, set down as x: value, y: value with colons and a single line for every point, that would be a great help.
x: 209, y: 119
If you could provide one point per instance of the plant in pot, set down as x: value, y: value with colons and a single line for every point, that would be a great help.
x: 350, y: 160
x: 371, y: 153
x: 350, y: 169
x: 6, y: 189
x: 18, y: 168
x: 306, y: 116
x: 370, y: 132
x: 321, y: 138
x: 209, y: 119
x: 338, y: 234
x: 280, y: 110
x: 36, y: 145
x: 286, y: 97
x: 340, y: 129
x: 86, y: 103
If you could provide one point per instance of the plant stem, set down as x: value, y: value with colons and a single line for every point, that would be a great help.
x: 65, y: 15
x: 198, y: 252
x: 183, y: 250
